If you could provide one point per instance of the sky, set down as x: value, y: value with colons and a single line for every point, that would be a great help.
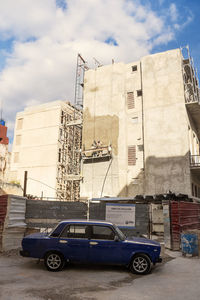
x: 40, y: 40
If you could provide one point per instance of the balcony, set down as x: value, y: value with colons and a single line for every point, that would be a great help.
x: 195, y: 161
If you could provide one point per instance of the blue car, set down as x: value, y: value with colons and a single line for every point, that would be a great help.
x: 81, y: 241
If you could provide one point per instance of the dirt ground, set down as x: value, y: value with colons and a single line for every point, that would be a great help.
x: 26, y: 279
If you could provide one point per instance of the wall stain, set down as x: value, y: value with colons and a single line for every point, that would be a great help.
x: 100, y: 128
x: 95, y: 89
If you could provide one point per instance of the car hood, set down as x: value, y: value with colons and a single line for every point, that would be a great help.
x: 144, y: 241
x: 36, y: 236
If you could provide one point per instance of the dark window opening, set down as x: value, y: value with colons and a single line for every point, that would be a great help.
x: 139, y: 93
x: 62, y: 116
x: 59, y: 155
x: 134, y: 68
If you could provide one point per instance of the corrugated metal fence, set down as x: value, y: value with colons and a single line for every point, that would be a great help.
x: 184, y: 216
x: 12, y: 218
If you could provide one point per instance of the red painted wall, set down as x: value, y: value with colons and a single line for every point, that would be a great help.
x: 3, y: 135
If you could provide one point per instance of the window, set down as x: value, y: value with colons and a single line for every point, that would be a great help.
x: 131, y: 155
x: 130, y: 100
x: 62, y: 117
x: 16, y: 157
x: 18, y: 139
x: 135, y: 120
x: 139, y: 93
x: 140, y: 147
x: 102, y: 233
x: 75, y: 231
x: 134, y: 68
x: 59, y: 155
x: 192, y: 189
x: 19, y: 123
x: 195, y: 191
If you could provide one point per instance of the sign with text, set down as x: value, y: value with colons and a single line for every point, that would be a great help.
x: 122, y: 215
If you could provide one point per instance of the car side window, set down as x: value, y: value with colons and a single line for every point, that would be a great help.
x: 75, y: 231
x: 102, y: 233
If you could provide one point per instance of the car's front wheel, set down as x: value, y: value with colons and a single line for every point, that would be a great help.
x: 54, y: 261
x: 140, y: 264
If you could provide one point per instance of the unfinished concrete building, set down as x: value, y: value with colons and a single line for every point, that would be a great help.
x: 47, y: 143
x: 141, y: 127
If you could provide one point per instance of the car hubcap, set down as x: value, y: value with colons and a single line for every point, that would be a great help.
x: 140, y: 264
x: 54, y: 261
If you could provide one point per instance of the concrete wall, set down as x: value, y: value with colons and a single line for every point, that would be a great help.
x: 46, y: 214
x: 43, y: 214
x: 165, y: 124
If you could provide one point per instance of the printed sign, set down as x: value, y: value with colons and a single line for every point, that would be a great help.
x: 122, y: 215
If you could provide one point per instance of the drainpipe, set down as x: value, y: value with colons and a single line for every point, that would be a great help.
x: 142, y: 125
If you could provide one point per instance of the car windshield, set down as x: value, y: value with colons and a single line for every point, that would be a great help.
x: 52, y: 230
x: 120, y: 233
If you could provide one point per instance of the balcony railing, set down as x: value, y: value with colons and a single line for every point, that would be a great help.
x: 195, y: 160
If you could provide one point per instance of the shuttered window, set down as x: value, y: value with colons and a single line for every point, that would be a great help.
x: 18, y: 139
x: 131, y: 155
x: 130, y: 100
x: 16, y: 157
x: 19, y: 123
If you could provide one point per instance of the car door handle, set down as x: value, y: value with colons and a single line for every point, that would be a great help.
x: 93, y: 243
x: 63, y: 242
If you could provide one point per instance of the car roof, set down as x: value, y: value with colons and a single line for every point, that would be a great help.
x: 92, y: 222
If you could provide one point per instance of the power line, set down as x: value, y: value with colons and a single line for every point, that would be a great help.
x: 42, y: 183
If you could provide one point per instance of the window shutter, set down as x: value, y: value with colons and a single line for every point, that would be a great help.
x: 130, y: 100
x: 131, y: 155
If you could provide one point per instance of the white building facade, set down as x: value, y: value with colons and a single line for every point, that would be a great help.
x: 38, y: 145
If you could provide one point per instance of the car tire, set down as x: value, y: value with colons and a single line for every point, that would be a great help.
x: 140, y: 264
x: 54, y: 261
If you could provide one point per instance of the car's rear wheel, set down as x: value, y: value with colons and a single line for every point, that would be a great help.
x: 140, y: 264
x: 54, y: 261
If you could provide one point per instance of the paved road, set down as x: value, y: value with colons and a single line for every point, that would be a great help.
x: 24, y: 279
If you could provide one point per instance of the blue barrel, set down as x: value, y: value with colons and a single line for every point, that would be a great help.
x: 2, y: 122
x: 189, y: 243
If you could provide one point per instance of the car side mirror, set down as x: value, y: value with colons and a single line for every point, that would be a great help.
x: 116, y: 238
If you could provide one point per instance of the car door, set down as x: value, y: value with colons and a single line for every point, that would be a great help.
x: 103, y: 248
x: 74, y: 242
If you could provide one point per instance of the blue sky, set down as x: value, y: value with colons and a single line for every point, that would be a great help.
x: 39, y: 42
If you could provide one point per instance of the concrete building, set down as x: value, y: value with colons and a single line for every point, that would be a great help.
x: 47, y: 145
x: 141, y: 127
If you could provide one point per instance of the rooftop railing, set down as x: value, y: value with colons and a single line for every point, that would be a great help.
x: 195, y: 160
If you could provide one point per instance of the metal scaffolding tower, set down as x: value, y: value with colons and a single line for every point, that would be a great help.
x: 80, y: 71
x: 70, y: 142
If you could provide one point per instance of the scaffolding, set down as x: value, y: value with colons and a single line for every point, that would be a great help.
x: 69, y: 154
x: 190, y: 77
x: 70, y: 141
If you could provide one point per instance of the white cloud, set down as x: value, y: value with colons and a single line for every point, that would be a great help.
x: 42, y: 65
x: 173, y: 12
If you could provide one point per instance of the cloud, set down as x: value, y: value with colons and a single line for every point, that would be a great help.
x: 173, y: 12
x: 47, y: 35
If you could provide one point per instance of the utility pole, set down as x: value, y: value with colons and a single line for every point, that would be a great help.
x: 25, y: 182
